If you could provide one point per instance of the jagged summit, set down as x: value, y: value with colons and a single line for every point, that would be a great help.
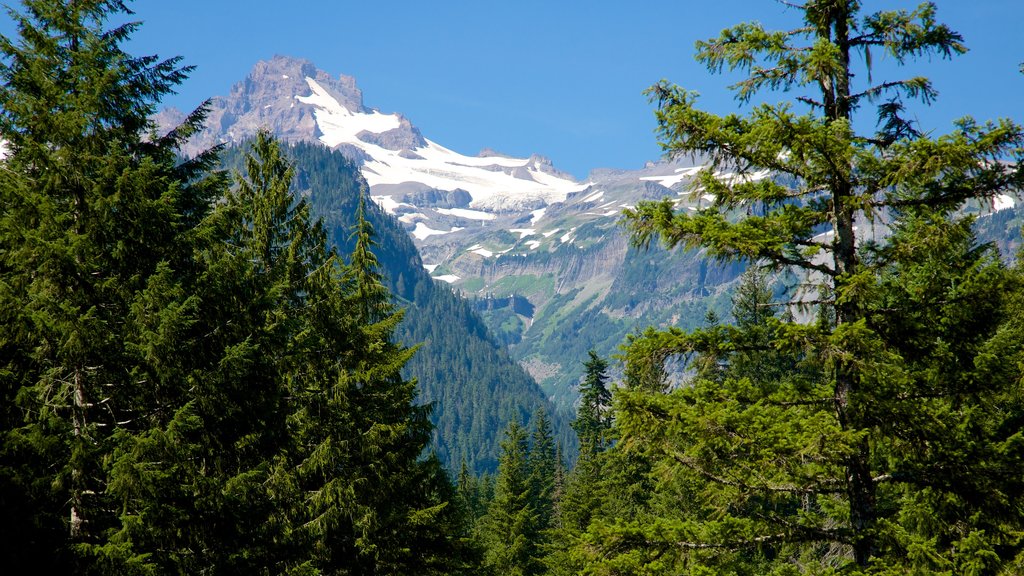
x: 298, y: 102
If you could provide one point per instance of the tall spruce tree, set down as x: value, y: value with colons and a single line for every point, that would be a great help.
x: 543, y: 464
x: 511, y: 527
x: 373, y: 505
x: 593, y: 418
x: 96, y: 212
x: 822, y: 472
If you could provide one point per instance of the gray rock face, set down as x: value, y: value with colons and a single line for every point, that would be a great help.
x: 267, y: 99
x: 405, y: 138
x: 434, y: 198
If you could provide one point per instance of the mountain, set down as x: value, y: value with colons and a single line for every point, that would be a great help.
x: 297, y: 103
x: 539, y: 254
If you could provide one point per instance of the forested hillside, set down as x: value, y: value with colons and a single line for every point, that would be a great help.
x: 473, y: 386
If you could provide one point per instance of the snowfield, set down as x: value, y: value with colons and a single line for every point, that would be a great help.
x: 495, y: 183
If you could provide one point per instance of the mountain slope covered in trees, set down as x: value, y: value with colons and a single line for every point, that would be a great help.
x: 472, y: 384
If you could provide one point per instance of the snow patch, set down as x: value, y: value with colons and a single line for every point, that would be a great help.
x: 492, y: 181
x: 673, y: 179
x: 410, y: 218
x: 568, y: 235
x: 449, y: 278
x: 467, y: 214
x: 1000, y: 202
x: 483, y: 252
x: 430, y: 268
x: 340, y: 125
x: 388, y: 203
x: 733, y: 178
x: 443, y: 169
x: 423, y: 231
x: 533, y: 244
x: 536, y: 215
x: 595, y: 196
x: 550, y: 234
x: 523, y: 232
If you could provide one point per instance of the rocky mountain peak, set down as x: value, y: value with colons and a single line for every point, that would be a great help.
x: 285, y: 76
x: 271, y: 97
x: 298, y: 102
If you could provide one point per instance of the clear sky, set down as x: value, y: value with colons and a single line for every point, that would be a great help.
x: 563, y: 78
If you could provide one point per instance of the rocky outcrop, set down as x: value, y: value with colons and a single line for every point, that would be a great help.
x: 267, y: 98
x: 434, y: 198
x: 405, y: 138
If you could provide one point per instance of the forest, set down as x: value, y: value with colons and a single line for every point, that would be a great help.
x: 204, y: 367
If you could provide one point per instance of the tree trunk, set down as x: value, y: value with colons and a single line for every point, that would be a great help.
x: 860, y: 485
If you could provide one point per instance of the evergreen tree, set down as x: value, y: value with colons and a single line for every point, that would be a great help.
x: 593, y: 417
x: 373, y: 506
x: 96, y: 213
x: 543, y: 469
x: 511, y: 528
x: 814, y: 467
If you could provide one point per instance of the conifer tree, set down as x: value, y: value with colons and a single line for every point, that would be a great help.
x: 593, y: 417
x: 816, y: 471
x: 96, y: 212
x: 511, y: 528
x: 543, y: 469
x: 373, y: 506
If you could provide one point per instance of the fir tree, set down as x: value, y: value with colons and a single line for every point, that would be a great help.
x: 511, y: 528
x: 593, y: 417
x: 814, y: 471
x: 543, y: 468
x: 96, y: 213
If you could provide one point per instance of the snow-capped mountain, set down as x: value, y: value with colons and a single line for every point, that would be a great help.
x: 491, y: 225
x: 543, y: 254
x: 298, y: 102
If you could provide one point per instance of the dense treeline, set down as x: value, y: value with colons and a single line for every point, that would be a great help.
x: 192, y: 380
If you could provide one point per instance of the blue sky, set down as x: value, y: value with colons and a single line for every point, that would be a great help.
x: 561, y: 78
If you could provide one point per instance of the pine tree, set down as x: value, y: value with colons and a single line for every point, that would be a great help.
x: 374, y: 506
x: 543, y: 469
x: 812, y: 466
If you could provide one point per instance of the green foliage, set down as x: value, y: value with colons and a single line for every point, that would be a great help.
x: 592, y: 417
x: 522, y: 508
x: 192, y: 381
x: 97, y: 218
x: 543, y: 464
x: 874, y: 438
x: 511, y: 529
